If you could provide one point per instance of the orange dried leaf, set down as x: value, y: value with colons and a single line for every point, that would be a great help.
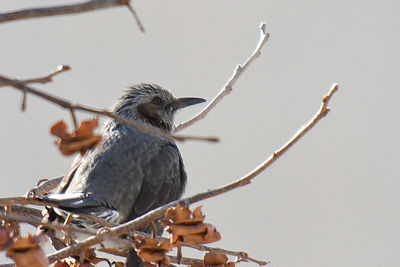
x: 86, y: 127
x: 165, y: 246
x: 27, y: 253
x: 183, y: 229
x: 212, y: 258
x: 71, y: 147
x: 197, y: 214
x: 148, y: 243
x: 78, y: 141
x: 211, y: 235
x: 59, y: 129
x: 178, y: 213
x: 8, y: 231
x: 151, y: 256
x: 24, y: 243
x: 193, y: 239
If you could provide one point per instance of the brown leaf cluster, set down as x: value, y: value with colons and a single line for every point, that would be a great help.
x: 26, y: 252
x: 80, y: 139
x: 152, y: 251
x: 8, y: 231
x: 185, y: 225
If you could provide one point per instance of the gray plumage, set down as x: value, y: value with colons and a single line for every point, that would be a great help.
x: 130, y: 172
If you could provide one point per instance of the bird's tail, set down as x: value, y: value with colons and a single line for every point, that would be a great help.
x: 133, y: 259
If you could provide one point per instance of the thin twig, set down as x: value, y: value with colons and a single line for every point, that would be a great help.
x: 174, y: 259
x: 239, y: 254
x: 156, y: 213
x: 136, y: 17
x: 85, y: 6
x: 45, y: 79
x: 185, y: 260
x: 23, y: 211
x: 264, y: 36
x: 103, y: 112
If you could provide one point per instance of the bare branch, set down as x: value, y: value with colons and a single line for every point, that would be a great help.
x: 156, y: 213
x: 264, y: 36
x: 86, y: 6
x: 102, y: 112
x: 44, y: 79
x: 23, y: 211
x: 136, y: 17
x: 240, y: 254
x: 60, y: 10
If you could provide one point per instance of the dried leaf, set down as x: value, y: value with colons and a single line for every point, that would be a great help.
x: 151, y: 256
x: 197, y: 213
x: 212, y: 258
x: 211, y: 235
x: 78, y: 145
x: 79, y: 140
x: 26, y: 252
x: 165, y: 246
x: 86, y: 127
x: 8, y: 231
x: 143, y: 243
x: 151, y: 250
x: 183, y: 229
x: 178, y: 213
x: 59, y: 129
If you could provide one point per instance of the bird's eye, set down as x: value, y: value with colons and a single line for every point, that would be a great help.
x: 156, y: 100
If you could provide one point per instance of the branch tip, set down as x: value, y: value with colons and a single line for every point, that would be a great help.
x: 239, y: 69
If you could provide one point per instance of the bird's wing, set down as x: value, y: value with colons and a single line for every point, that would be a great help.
x: 131, y: 172
x: 164, y: 180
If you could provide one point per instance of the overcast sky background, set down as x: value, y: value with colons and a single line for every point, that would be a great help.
x: 332, y: 200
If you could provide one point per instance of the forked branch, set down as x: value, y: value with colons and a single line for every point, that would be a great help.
x: 91, y: 5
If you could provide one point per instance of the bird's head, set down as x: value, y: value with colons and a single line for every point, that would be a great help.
x: 152, y: 104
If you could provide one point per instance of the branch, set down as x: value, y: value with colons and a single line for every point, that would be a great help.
x: 86, y: 6
x: 156, y: 213
x: 240, y: 254
x: 44, y: 79
x: 102, y: 112
x: 264, y: 36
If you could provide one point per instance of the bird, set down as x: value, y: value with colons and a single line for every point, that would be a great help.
x: 130, y: 172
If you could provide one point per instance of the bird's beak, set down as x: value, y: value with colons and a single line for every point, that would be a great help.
x: 186, y: 101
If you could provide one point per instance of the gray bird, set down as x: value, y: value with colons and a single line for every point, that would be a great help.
x: 130, y: 172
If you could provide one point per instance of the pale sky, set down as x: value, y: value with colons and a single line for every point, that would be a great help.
x: 331, y: 201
